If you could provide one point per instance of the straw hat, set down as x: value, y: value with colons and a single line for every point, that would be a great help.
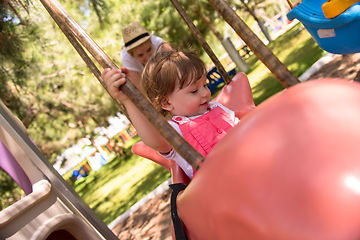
x: 134, y: 35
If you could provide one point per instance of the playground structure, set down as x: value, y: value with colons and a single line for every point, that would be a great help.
x: 293, y: 187
x: 85, y: 156
x: 215, y: 78
x: 336, y: 34
x: 51, y: 209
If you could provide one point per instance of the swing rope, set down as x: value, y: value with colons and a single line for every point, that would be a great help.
x: 83, y: 55
x: 264, y: 54
x: 290, y: 4
x: 202, y: 41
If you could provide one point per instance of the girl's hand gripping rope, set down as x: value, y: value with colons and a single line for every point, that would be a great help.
x: 113, y: 79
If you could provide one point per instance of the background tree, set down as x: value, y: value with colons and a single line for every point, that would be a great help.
x: 9, y: 190
x: 15, y: 32
x: 44, y: 83
x: 41, y: 76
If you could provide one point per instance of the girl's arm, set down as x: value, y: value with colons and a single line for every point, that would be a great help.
x: 148, y: 134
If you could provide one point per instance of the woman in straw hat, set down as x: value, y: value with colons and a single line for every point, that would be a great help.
x: 139, y: 46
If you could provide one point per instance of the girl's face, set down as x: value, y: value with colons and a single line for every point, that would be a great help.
x: 143, y: 52
x: 189, y: 101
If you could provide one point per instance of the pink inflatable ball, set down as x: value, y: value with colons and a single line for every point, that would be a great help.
x: 289, y: 170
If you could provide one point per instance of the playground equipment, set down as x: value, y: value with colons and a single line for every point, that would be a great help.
x: 334, y: 8
x: 51, y: 209
x: 215, y: 78
x: 338, y: 34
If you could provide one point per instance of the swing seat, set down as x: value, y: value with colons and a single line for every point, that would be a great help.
x: 334, y: 8
x: 338, y: 35
x: 236, y: 96
x: 214, y: 78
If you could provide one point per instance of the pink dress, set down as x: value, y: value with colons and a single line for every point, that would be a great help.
x: 202, y: 132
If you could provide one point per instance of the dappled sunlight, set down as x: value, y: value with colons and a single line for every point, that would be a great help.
x: 120, y: 184
x: 341, y: 66
x: 266, y: 88
x: 297, y: 51
x: 144, y: 185
x: 123, y: 182
x: 257, y: 76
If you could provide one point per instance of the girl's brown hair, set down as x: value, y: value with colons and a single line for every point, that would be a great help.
x: 165, y: 69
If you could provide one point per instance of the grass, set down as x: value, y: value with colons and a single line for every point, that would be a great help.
x: 119, y: 184
x: 123, y: 182
x: 296, y: 49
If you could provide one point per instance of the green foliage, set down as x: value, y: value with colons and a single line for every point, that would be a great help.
x: 159, y: 16
x: 15, y: 35
x: 10, y: 192
x: 120, y: 184
x: 46, y: 84
x: 296, y: 49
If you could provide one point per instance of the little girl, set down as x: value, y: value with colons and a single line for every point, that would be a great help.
x: 175, y: 83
